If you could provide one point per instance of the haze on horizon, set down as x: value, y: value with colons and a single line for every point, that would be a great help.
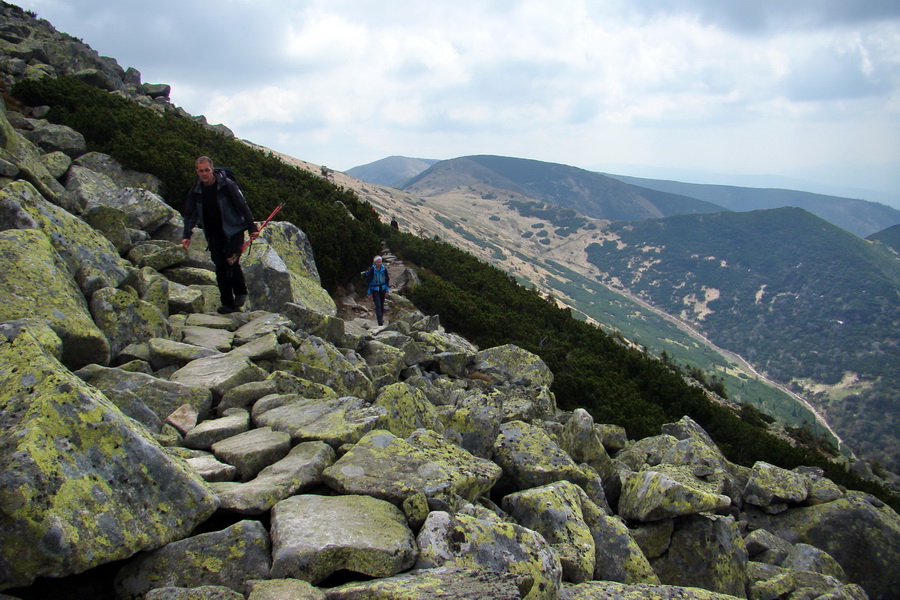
x: 696, y: 90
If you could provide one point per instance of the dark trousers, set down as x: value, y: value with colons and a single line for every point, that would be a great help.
x: 229, y: 277
x: 378, y: 300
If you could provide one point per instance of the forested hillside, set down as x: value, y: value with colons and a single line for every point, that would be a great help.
x: 856, y: 216
x: 804, y: 300
x: 890, y: 237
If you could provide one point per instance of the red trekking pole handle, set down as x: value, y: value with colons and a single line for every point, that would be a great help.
x: 266, y: 222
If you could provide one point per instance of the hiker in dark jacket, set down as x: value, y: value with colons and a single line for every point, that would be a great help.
x: 379, y: 286
x: 216, y: 203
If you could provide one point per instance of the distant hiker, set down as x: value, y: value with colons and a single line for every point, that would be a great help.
x: 379, y: 286
x: 394, y: 223
x: 217, y: 204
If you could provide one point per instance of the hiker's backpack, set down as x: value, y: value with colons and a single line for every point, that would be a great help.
x: 227, y: 172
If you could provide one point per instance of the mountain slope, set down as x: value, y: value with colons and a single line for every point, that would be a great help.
x: 392, y: 171
x: 589, y: 193
x: 856, y: 216
x: 531, y: 246
x: 890, y: 237
x: 806, y: 301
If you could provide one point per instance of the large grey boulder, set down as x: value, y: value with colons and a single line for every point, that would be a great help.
x: 24, y: 161
x: 859, y: 531
x: 156, y: 254
x: 458, y: 540
x: 162, y: 396
x: 335, y: 421
x: 445, y: 583
x: 144, y: 209
x: 514, y: 365
x: 391, y: 468
x: 527, y: 403
x: 618, y: 555
x: 36, y: 284
x: 583, y: 443
x: 555, y: 511
x: 51, y: 137
x: 86, y: 186
x: 218, y: 373
x: 654, y: 495
x: 230, y: 558
x: 80, y: 484
x: 280, y: 269
x: 323, y: 363
x: 300, y: 470
x: 476, y: 419
x: 165, y: 353
x: 125, y: 319
x: 92, y: 259
x: 773, y: 488
x: 407, y: 409
x: 203, y: 592
x: 603, y: 590
x: 252, y: 451
x: 705, y: 551
x: 123, y: 178
x: 315, y: 536
x: 530, y: 458
x: 207, y: 433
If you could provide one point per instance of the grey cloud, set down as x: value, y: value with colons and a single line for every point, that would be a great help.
x: 758, y: 17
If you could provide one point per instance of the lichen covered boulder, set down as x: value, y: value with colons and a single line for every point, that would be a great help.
x: 280, y: 269
x: 407, y: 409
x: 229, y: 558
x: 859, y: 531
x: 36, y: 284
x: 385, y: 466
x: 315, y: 536
x: 80, y: 483
x: 654, y: 495
x: 458, y: 540
x: 513, y: 364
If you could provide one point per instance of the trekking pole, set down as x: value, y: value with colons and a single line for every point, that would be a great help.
x: 233, y: 259
x: 266, y: 222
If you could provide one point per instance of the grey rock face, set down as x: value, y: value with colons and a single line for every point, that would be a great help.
x: 314, y: 536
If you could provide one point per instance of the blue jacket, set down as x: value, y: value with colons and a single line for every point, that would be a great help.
x: 378, y: 278
x: 236, y: 216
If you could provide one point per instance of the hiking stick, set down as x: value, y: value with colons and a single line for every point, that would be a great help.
x: 233, y: 259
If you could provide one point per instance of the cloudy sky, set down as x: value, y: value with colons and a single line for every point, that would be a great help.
x: 807, y: 89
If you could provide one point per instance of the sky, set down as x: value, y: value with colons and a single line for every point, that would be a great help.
x: 707, y: 91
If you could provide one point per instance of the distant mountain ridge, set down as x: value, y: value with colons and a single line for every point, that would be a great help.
x: 392, y: 171
x: 592, y: 194
x: 856, y: 216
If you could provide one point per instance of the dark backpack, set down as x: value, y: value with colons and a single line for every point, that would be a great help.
x: 227, y: 172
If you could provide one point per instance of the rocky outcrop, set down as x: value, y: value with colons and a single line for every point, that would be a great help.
x: 283, y: 452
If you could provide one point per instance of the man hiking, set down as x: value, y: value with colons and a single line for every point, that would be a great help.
x: 216, y: 203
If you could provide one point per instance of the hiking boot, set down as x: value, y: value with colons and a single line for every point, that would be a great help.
x: 240, y: 300
x: 226, y: 310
